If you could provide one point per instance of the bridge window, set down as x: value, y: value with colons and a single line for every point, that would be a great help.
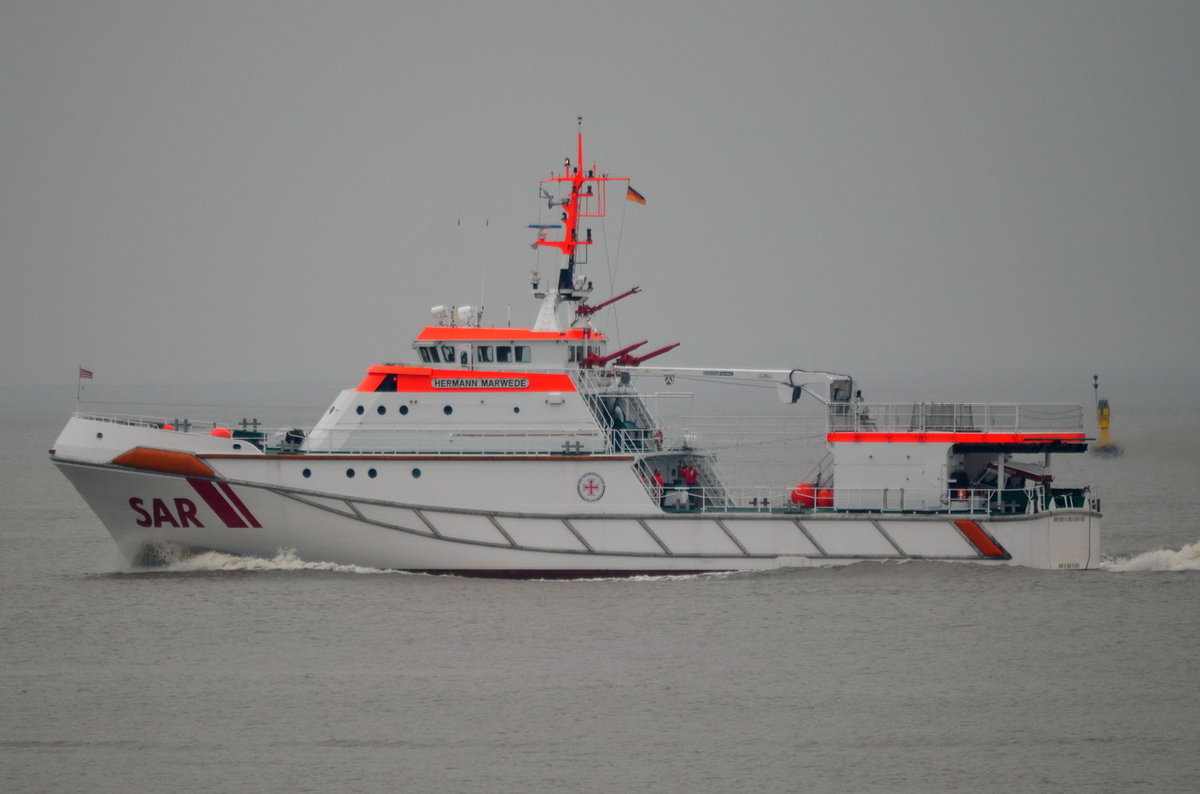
x: 504, y: 353
x: 524, y: 354
x: 428, y: 354
x: 484, y: 353
x: 448, y: 353
x: 388, y: 383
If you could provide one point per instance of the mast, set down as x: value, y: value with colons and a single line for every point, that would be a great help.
x: 581, y: 193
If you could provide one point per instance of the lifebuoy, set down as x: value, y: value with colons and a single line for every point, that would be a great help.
x: 658, y: 438
x: 960, y: 495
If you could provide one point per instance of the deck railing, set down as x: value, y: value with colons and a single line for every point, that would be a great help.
x: 677, y: 497
x: 927, y: 417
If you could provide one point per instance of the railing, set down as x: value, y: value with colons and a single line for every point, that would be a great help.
x: 955, y: 417
x: 971, y: 501
x: 153, y: 422
x: 394, y: 441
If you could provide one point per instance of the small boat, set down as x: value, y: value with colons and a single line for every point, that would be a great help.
x: 540, y: 452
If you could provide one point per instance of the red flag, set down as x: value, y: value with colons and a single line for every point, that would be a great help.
x: 85, y: 373
x: 633, y: 195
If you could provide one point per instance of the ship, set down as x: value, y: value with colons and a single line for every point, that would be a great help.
x: 551, y: 452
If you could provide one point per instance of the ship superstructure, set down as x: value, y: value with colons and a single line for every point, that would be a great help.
x: 541, y: 452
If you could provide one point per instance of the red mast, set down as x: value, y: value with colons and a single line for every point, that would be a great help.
x: 585, y: 197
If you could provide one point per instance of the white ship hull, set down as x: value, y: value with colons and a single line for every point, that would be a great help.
x: 514, y: 516
x: 538, y: 451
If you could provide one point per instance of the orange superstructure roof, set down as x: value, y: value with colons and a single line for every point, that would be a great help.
x: 440, y: 333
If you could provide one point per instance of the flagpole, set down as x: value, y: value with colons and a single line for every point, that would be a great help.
x: 80, y: 376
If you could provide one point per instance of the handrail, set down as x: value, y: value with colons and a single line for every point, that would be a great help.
x: 867, y: 417
x: 952, y: 501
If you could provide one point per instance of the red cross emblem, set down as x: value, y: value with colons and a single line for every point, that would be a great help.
x: 591, y: 487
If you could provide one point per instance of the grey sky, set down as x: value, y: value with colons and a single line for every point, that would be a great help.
x: 274, y: 190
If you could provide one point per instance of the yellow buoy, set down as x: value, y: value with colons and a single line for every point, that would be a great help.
x: 1104, y: 444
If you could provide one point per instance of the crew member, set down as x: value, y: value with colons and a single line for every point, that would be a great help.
x: 692, y: 478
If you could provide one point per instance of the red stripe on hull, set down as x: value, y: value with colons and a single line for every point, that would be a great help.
x: 213, y: 498
x: 241, y: 507
x: 981, y: 540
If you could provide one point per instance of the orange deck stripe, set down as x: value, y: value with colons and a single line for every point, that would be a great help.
x: 164, y: 460
x: 963, y: 437
x: 439, y: 333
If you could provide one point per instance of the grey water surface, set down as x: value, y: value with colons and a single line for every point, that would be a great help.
x: 222, y: 674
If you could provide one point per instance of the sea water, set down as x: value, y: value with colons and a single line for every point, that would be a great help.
x: 219, y: 673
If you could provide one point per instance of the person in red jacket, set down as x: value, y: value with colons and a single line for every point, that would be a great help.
x: 692, y: 478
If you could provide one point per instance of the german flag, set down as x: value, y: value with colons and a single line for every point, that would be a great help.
x: 633, y: 195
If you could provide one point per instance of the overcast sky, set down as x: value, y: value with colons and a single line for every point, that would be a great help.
x: 279, y: 191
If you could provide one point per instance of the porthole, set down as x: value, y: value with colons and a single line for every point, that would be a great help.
x: 359, y: 410
x: 237, y: 446
x: 404, y: 410
x: 381, y: 410
x: 416, y: 473
x: 516, y: 409
x: 99, y: 435
x: 372, y: 473
x: 307, y: 473
x: 447, y: 410
x: 350, y: 473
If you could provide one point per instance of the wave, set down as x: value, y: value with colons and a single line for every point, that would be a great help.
x: 179, y: 559
x: 1184, y: 559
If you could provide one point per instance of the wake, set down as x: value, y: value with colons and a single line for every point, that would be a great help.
x: 1185, y: 559
x: 182, y: 560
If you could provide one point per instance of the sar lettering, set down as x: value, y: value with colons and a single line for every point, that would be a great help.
x: 161, y: 514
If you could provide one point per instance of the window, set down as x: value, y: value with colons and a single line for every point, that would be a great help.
x: 388, y: 383
x: 428, y: 354
x: 448, y: 353
x: 524, y: 354
x: 404, y: 410
x: 381, y: 410
x: 503, y: 353
x: 359, y: 410
x: 484, y: 353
